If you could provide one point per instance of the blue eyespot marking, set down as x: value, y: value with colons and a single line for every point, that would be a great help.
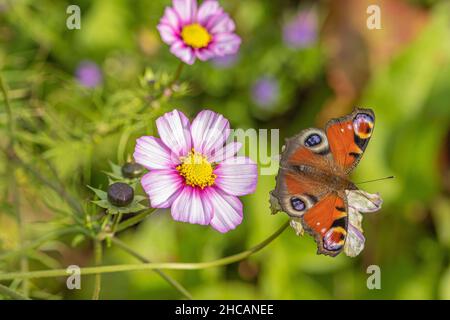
x: 313, y: 140
x: 298, y: 204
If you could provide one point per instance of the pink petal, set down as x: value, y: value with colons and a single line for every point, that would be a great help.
x: 225, y: 44
x: 192, y: 206
x: 152, y: 153
x: 209, y: 132
x: 221, y: 23
x: 204, y: 54
x: 162, y: 187
x: 173, y: 128
x: 167, y: 34
x: 226, y: 152
x: 171, y: 19
x: 227, y: 210
x: 208, y: 9
x: 186, y: 9
x: 237, y: 176
x: 185, y: 53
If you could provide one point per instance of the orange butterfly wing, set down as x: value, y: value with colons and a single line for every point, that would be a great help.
x: 297, y: 188
x: 327, y: 222
x: 348, y: 137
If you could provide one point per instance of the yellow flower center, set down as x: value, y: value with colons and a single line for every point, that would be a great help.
x: 196, y: 170
x: 196, y: 36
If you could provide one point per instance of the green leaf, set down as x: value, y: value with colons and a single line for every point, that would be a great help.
x: 139, y: 198
x: 133, y: 207
x: 113, y: 175
x: 103, y: 203
x: 116, y: 169
x: 100, y: 193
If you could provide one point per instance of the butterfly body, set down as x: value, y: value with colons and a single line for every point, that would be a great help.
x: 331, y: 179
x: 314, y: 176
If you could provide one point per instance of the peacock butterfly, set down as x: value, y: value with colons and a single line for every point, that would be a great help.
x: 313, y: 180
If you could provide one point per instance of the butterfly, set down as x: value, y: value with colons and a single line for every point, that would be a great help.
x: 314, y: 176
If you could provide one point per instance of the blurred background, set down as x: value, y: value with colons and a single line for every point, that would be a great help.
x: 80, y: 98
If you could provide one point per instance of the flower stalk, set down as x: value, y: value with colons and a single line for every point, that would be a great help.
x: 150, y: 266
x: 98, y: 252
x: 176, y: 76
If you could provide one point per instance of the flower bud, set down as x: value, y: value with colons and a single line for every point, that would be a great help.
x: 120, y: 194
x: 132, y: 170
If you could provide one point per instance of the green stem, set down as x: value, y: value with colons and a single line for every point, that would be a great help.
x: 4, y: 290
x: 165, y: 276
x: 98, y: 261
x: 177, y: 74
x: 117, y: 220
x: 149, y: 266
x: 24, y: 265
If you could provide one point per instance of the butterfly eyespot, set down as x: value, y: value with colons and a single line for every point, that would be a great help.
x: 313, y: 140
x: 363, y: 125
x: 298, y: 204
x: 334, y: 239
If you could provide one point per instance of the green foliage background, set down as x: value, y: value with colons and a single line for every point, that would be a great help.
x: 61, y: 126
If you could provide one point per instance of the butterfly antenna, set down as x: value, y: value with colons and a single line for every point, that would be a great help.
x: 367, y: 181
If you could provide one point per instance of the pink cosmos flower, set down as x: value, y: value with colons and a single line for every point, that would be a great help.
x: 194, y: 172
x: 202, y: 33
